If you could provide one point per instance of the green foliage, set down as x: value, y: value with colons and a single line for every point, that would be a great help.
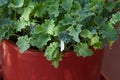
x: 40, y: 9
x: 115, y: 18
x: 3, y: 32
x: 52, y: 51
x: 74, y: 32
x: 53, y: 8
x: 43, y: 24
x: 20, y: 25
x: 81, y: 49
x: 56, y: 61
x: 67, y: 5
x: 2, y: 2
x: 48, y: 27
x: 94, y: 40
x: 23, y: 43
x: 110, y: 5
x: 86, y: 33
x: 65, y: 37
x: 40, y: 40
x: 109, y: 32
x: 5, y: 22
x: 16, y: 3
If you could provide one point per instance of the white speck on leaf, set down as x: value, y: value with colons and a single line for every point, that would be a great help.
x: 62, y: 45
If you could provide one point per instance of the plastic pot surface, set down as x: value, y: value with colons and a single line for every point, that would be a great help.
x: 32, y: 65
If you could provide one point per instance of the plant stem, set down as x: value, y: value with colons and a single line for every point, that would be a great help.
x: 15, y: 15
x: 15, y: 35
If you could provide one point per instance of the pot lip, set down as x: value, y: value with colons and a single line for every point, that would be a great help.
x: 10, y: 43
x: 35, y: 52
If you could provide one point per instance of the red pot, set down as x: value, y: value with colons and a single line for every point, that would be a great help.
x: 32, y: 65
x: 1, y: 76
x: 103, y: 76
